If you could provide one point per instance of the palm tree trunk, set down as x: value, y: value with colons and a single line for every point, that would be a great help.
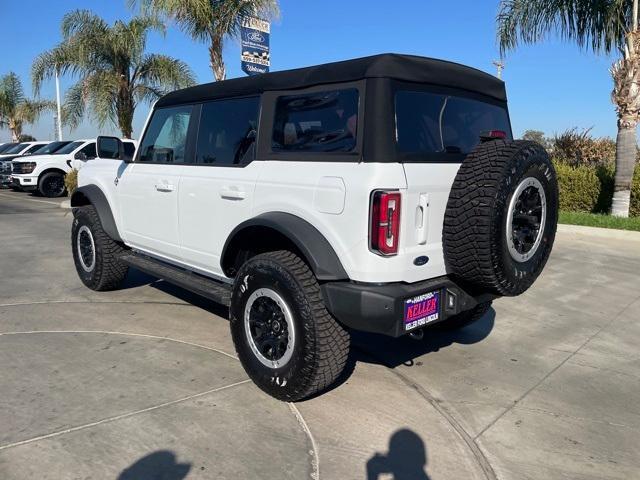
x: 626, y: 152
x: 15, y: 128
x: 125, y: 108
x: 215, y: 54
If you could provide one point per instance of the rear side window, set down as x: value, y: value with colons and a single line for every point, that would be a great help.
x: 166, y: 138
x: 432, y: 123
x: 316, y: 122
x: 228, y: 130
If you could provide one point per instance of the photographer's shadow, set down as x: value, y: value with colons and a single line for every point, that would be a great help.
x: 405, y: 460
x: 392, y: 352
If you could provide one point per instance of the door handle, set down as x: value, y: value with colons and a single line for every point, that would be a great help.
x: 232, y: 193
x: 165, y: 187
x: 422, y: 219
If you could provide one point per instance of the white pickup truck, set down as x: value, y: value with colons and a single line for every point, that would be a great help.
x: 45, y: 173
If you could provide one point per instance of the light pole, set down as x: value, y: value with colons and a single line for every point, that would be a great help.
x: 59, y: 119
x: 500, y: 66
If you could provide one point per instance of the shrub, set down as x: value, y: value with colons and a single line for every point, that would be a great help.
x: 580, y: 148
x: 635, y: 193
x: 580, y: 187
x: 71, y: 181
x: 589, y: 188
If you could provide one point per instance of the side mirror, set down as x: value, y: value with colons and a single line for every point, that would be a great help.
x: 110, y: 148
x: 80, y: 156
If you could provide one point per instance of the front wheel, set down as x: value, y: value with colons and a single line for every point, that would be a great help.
x: 95, y: 254
x: 288, y: 343
x: 51, y: 185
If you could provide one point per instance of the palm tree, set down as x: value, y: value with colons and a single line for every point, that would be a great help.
x: 210, y: 21
x: 16, y: 109
x: 115, y: 74
x: 601, y: 26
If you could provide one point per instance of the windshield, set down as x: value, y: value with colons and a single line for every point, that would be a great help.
x: 428, y: 123
x: 50, y: 148
x: 6, y: 146
x: 17, y: 149
x: 69, y: 148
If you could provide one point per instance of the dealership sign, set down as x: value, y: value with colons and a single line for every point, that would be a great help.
x: 255, y: 45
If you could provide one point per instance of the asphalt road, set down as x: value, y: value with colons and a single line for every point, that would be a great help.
x: 143, y: 383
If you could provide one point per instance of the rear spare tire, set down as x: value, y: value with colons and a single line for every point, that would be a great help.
x: 501, y: 217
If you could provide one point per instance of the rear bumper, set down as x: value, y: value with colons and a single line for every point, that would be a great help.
x: 381, y: 308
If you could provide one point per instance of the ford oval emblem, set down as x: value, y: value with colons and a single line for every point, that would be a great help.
x: 255, y: 37
x: 419, y: 261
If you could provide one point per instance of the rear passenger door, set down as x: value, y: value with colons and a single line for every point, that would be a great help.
x: 217, y: 192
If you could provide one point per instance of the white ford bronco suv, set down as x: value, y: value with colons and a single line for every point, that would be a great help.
x: 382, y: 194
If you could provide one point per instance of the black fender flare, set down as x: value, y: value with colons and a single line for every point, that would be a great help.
x: 93, y: 195
x: 316, y: 249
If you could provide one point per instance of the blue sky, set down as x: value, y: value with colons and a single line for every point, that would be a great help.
x: 551, y: 86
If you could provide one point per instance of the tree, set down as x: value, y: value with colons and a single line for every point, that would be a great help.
x: 16, y: 109
x: 601, y: 26
x: 538, y: 137
x: 115, y: 72
x: 210, y: 21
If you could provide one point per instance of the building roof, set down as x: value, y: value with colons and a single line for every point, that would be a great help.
x: 389, y: 65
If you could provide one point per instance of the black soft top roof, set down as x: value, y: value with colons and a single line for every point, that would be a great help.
x: 389, y: 65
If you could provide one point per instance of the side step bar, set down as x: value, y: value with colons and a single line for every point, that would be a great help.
x: 214, y: 290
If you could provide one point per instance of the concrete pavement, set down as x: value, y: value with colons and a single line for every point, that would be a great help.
x: 143, y: 382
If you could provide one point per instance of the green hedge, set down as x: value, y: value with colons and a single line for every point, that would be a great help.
x: 589, y: 188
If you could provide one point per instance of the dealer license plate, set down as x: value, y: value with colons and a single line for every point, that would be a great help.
x: 421, y: 310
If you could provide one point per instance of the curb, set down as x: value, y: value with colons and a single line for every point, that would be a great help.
x: 65, y: 204
x: 610, y: 233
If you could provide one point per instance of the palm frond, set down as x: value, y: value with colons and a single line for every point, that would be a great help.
x: 599, y: 25
x: 163, y: 71
x: 83, y: 23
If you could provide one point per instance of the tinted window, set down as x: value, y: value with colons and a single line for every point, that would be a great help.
x: 316, y: 122
x: 228, y: 130
x: 68, y: 148
x: 50, y: 148
x: 6, y: 146
x: 166, y: 138
x: 32, y: 149
x: 433, y: 123
x: 17, y: 148
x: 90, y: 151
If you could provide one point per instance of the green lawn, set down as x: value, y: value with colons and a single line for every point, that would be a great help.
x: 602, y: 221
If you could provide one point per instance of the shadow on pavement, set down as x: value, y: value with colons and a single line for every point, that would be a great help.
x: 157, y: 465
x: 405, y: 460
x: 392, y: 352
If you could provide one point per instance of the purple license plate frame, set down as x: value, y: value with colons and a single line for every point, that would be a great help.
x: 421, y: 310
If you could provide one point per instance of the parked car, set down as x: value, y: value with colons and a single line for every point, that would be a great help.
x: 382, y: 194
x: 6, y: 162
x: 20, y: 149
x: 45, y: 173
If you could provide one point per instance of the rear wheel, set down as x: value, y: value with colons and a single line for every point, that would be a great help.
x: 287, y: 341
x: 52, y: 185
x: 95, y: 254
